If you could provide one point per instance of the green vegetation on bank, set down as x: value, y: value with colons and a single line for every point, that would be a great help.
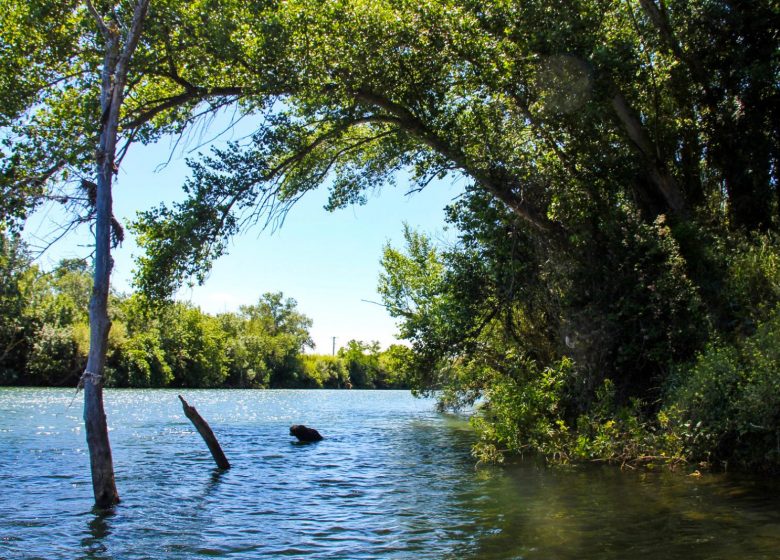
x: 44, y: 338
x: 656, y: 364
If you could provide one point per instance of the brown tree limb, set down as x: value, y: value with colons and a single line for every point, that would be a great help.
x: 206, y: 433
x: 660, y: 176
x: 98, y: 20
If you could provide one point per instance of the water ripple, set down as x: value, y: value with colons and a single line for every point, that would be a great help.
x: 392, y: 479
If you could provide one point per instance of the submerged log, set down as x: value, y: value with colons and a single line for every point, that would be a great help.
x: 205, y: 431
x: 305, y: 434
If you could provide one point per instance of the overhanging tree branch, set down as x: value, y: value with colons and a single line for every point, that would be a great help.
x: 193, y: 94
x: 416, y: 128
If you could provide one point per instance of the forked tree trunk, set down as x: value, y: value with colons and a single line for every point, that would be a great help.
x: 114, y: 77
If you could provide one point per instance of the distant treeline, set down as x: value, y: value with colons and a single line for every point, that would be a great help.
x: 44, y: 338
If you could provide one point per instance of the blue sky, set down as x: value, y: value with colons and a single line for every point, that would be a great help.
x: 327, y: 261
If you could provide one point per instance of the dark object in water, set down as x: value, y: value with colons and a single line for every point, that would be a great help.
x: 305, y: 434
x: 206, y: 433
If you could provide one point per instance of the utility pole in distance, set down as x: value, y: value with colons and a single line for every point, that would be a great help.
x: 334, y: 345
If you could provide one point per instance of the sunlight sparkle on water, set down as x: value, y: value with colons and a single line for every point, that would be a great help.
x: 392, y: 479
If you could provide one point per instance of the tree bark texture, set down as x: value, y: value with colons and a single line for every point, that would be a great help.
x: 206, y: 433
x: 657, y: 171
x: 114, y: 77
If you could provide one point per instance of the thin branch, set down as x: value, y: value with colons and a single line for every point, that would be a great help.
x: 211, y: 111
x: 64, y: 231
x: 229, y: 127
x: 131, y: 40
x: 429, y: 180
x: 180, y: 99
x: 331, y: 134
x: 43, y: 176
x: 99, y: 20
x: 346, y: 149
x: 120, y: 156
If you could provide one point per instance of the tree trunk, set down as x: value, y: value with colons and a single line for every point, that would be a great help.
x: 101, y: 462
x: 206, y: 433
x: 657, y: 171
x: 114, y: 77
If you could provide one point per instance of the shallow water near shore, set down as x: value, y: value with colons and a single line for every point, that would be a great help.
x: 391, y: 479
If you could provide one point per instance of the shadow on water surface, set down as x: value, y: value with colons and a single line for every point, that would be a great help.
x: 531, y: 512
x: 213, y: 482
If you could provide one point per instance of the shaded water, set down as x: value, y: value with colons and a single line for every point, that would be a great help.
x: 392, y: 479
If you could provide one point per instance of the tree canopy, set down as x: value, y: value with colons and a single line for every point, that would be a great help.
x: 555, y: 109
x: 560, y: 111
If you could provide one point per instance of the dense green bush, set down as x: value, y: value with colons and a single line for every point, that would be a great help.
x: 371, y: 368
x: 16, y: 277
x: 522, y: 412
x: 142, y: 362
x: 752, y: 280
x: 54, y: 358
x: 726, y: 406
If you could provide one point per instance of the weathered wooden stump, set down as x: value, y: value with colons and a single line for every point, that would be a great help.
x: 206, y: 433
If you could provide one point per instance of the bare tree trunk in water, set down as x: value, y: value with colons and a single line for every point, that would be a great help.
x: 114, y: 77
x: 206, y: 433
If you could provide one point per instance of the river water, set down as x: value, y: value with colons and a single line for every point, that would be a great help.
x: 391, y: 479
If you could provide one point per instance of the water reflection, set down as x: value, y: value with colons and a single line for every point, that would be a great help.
x: 212, y: 484
x: 98, y: 529
x: 608, y: 514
